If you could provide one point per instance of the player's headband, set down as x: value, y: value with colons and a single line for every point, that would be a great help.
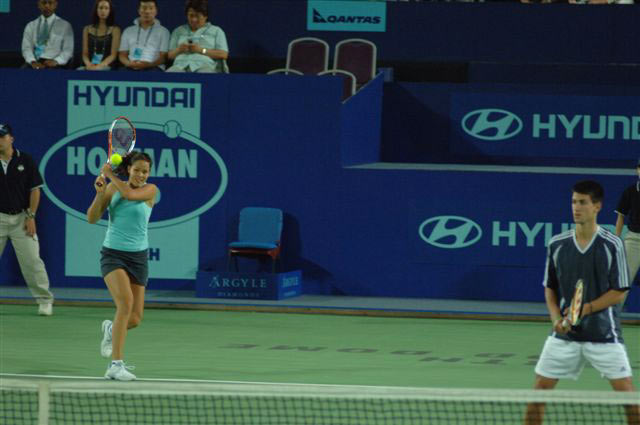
x: 4, y: 130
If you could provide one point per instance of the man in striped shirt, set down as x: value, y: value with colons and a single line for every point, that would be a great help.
x: 595, y: 255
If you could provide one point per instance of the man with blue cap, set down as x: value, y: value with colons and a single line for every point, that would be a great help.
x: 20, y: 181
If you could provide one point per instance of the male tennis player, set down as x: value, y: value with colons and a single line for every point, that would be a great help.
x: 595, y: 255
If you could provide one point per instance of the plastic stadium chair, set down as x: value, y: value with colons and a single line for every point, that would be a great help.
x: 259, y: 232
x: 308, y: 55
x: 357, y: 56
x: 348, y: 81
x: 284, y: 71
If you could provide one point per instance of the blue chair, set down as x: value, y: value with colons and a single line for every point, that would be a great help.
x: 259, y: 232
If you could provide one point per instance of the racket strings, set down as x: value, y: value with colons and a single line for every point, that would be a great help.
x: 122, y: 137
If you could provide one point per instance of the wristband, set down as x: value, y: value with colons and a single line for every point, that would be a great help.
x: 29, y: 213
x: 204, y: 51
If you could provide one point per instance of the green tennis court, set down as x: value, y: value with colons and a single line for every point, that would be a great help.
x: 289, y: 348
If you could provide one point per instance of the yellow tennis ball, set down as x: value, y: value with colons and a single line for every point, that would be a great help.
x: 116, y: 159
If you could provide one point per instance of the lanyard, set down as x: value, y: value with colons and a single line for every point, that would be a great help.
x: 148, y: 35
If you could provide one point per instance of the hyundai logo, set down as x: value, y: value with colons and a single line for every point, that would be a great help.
x: 491, y: 124
x: 450, y: 231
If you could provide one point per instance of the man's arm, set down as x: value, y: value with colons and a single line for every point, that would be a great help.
x: 27, y: 44
x: 34, y: 202
x: 606, y: 300
x: 619, y: 224
x: 551, y: 298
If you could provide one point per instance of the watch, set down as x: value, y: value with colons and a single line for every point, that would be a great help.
x: 29, y: 213
x: 204, y: 51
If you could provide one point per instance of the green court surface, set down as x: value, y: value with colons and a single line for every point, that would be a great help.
x: 289, y: 348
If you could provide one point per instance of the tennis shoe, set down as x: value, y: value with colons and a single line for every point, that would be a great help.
x: 118, y: 371
x: 105, y: 344
x: 45, y: 309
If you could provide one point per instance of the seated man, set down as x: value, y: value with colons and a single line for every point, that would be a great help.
x: 47, y: 41
x: 198, y: 46
x: 144, y: 45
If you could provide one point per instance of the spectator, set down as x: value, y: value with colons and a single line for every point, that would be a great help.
x: 198, y: 46
x: 629, y: 206
x: 19, y: 200
x: 144, y: 45
x: 47, y: 41
x: 101, y: 39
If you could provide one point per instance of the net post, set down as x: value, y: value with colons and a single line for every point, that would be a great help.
x: 43, y: 403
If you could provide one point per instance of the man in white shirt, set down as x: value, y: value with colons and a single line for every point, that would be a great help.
x: 47, y: 41
x: 144, y: 45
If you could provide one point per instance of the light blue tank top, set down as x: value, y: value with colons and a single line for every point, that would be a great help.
x: 128, y: 222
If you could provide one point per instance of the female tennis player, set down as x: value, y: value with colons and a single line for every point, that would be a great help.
x: 124, y: 250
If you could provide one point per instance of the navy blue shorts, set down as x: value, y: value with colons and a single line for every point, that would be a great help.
x: 135, y: 263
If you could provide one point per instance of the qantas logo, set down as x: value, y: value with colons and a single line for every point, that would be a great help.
x: 344, y: 19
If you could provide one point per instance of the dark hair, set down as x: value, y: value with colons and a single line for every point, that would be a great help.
x: 591, y: 188
x: 129, y: 159
x: 201, y: 6
x: 147, y: 1
x: 111, y: 19
x: 5, y: 129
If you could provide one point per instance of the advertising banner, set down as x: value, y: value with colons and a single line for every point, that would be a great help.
x: 552, y: 126
x: 361, y: 16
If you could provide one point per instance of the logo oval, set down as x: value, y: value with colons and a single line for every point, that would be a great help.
x: 97, y: 155
x: 450, y: 231
x: 491, y: 124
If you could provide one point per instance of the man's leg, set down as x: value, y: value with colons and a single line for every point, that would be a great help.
x: 535, y: 411
x: 632, y: 410
x: 27, y: 250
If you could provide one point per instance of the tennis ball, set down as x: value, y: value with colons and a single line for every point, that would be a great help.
x: 116, y: 159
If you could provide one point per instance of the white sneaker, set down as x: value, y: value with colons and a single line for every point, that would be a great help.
x: 120, y: 372
x: 105, y: 344
x: 45, y: 309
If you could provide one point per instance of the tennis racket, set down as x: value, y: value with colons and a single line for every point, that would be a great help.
x: 122, y: 137
x: 575, y: 309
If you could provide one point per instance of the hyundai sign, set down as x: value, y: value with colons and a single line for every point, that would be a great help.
x: 565, y: 126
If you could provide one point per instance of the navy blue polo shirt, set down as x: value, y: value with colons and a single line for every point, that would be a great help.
x: 629, y: 204
x: 16, y: 184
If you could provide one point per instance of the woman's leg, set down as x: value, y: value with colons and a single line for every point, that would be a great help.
x: 137, y: 311
x: 119, y: 286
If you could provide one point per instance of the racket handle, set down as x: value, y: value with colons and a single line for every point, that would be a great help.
x: 99, y: 183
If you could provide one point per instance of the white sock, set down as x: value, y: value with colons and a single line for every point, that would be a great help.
x: 116, y: 362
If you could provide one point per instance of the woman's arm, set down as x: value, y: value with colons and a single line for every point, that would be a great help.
x: 115, y: 43
x: 99, y: 204
x: 85, y: 47
x: 144, y: 193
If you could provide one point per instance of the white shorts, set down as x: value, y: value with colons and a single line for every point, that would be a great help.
x: 562, y: 359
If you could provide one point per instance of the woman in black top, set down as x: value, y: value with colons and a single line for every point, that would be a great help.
x: 101, y: 39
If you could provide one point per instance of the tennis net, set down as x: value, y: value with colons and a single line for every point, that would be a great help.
x: 92, y: 401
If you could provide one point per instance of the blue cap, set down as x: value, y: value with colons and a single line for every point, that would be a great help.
x: 5, y: 129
